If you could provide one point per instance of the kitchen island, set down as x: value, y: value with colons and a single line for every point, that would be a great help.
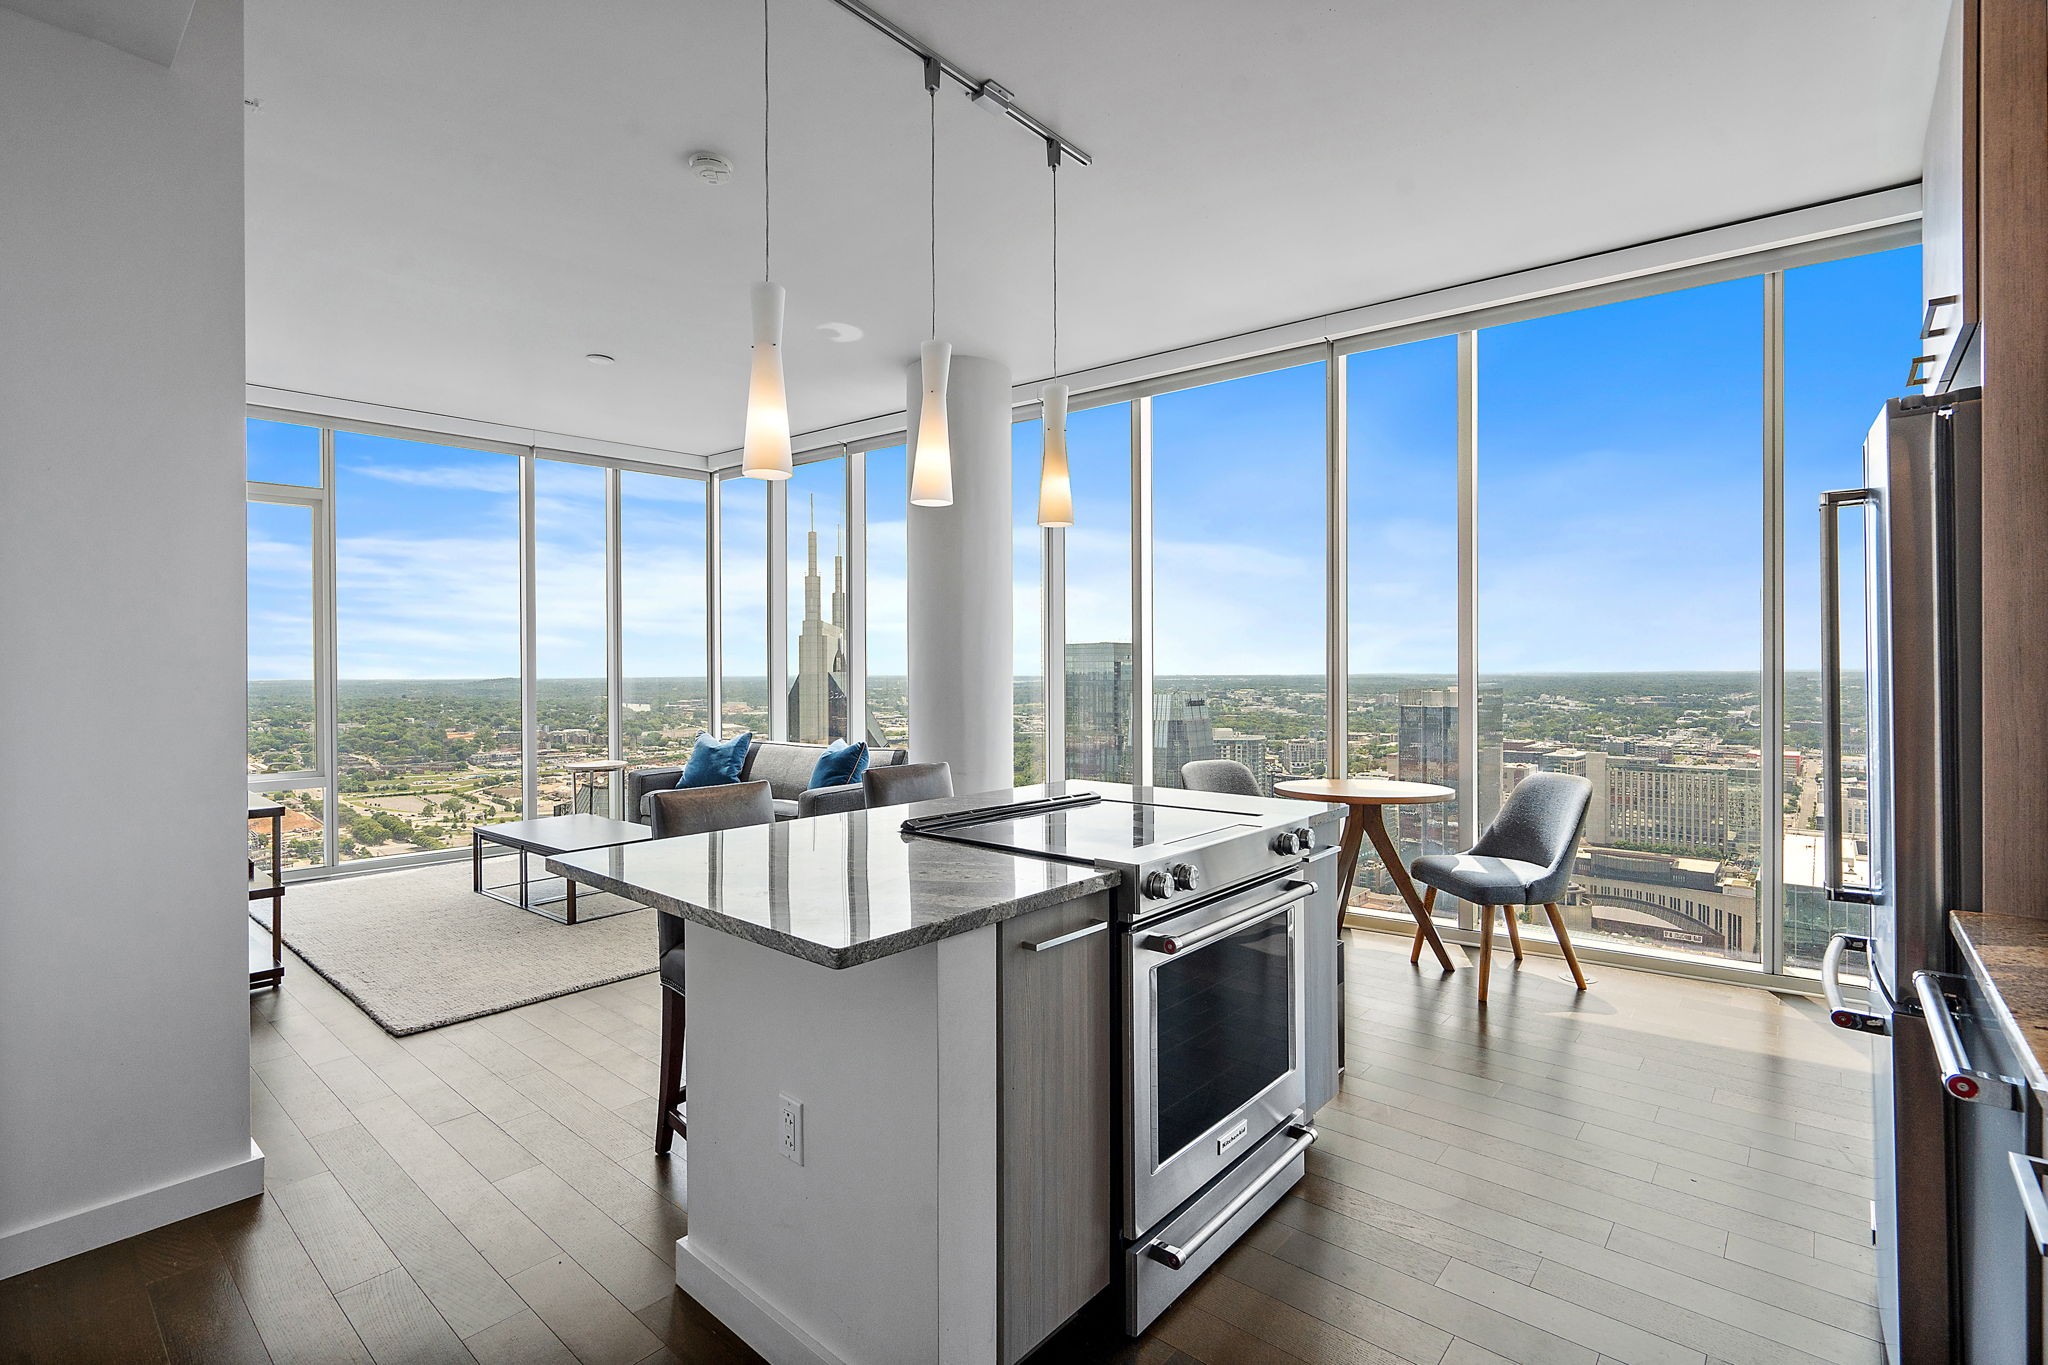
x: 938, y: 1192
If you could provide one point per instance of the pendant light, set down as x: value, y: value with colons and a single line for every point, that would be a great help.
x: 766, y: 454
x: 1055, y: 485
x: 931, y: 465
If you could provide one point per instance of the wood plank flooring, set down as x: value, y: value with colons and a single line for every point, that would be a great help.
x: 1657, y: 1171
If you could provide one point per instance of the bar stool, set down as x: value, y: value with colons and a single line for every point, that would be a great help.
x: 1524, y: 858
x: 906, y: 783
x: 671, y: 814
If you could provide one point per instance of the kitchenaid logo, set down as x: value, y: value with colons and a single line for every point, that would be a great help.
x: 1233, y: 1137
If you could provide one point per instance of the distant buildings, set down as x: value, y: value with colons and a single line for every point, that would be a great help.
x: 1099, y: 689
x: 819, y: 698
x: 1180, y: 734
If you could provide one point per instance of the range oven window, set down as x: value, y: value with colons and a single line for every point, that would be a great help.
x: 1223, y: 1016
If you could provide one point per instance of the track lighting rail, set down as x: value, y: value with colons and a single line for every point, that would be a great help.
x: 985, y: 91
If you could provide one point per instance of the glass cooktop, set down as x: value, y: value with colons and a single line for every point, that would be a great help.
x: 1107, y: 832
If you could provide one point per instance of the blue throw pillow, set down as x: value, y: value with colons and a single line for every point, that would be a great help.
x: 840, y: 764
x: 716, y: 765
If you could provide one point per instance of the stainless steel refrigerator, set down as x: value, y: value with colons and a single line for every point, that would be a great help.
x: 1942, y: 1232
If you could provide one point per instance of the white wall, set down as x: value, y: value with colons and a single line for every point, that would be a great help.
x: 123, y: 1033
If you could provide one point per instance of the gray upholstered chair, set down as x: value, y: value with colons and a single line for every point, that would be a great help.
x: 831, y: 800
x: 1225, y: 775
x: 1524, y: 858
x: 672, y: 813
x: 907, y: 782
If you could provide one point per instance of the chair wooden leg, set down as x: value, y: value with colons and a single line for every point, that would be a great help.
x: 1564, y: 941
x: 670, y: 1123
x: 1428, y: 907
x: 1485, y: 949
x: 1513, y: 915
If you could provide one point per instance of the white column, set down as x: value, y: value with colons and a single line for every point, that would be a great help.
x: 962, y: 704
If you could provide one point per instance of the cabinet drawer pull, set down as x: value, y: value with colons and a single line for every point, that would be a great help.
x: 2026, y: 1170
x: 1928, y: 331
x: 1085, y: 931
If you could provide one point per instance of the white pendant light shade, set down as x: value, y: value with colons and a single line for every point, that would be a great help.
x: 766, y: 454
x: 1055, y: 487
x: 931, y: 467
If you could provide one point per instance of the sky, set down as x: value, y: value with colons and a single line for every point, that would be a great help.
x: 1620, y: 498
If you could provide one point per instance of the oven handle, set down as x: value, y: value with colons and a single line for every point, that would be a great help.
x: 1177, y: 1257
x: 1209, y: 933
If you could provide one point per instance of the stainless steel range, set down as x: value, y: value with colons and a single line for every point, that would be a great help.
x: 1226, y: 921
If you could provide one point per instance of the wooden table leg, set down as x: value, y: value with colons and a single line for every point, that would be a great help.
x: 1347, y: 857
x: 476, y: 862
x: 570, y: 882
x: 1376, y: 828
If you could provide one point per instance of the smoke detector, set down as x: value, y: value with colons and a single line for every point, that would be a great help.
x: 710, y: 167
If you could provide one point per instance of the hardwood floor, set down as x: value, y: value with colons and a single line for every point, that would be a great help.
x: 1656, y: 1171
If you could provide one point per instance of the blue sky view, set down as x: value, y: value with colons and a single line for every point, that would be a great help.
x: 1620, y: 495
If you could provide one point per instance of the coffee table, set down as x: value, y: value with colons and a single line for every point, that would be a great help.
x: 548, y: 836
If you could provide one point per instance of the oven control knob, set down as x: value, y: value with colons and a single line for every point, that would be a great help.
x: 1158, y: 885
x: 1185, y: 876
x: 1286, y: 842
x: 1304, y: 838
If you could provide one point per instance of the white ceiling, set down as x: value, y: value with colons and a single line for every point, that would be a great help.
x: 152, y: 29
x: 450, y: 203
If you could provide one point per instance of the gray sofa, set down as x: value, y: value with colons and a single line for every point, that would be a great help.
x: 785, y: 767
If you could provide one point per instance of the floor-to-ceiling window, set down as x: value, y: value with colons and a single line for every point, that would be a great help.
x: 1846, y: 325
x: 743, y: 605
x: 427, y: 643
x: 888, y: 601
x: 1401, y: 444
x: 1238, y: 564
x: 820, y: 680
x: 572, y: 707
x: 1101, y: 689
x: 663, y: 699
x: 1620, y: 595
x: 1027, y: 560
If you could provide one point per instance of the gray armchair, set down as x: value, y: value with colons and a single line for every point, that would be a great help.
x: 1224, y: 775
x: 1524, y: 858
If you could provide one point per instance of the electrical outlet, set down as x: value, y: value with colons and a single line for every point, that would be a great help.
x: 791, y: 1135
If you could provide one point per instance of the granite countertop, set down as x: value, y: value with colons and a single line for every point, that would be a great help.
x: 837, y: 890
x: 2009, y: 956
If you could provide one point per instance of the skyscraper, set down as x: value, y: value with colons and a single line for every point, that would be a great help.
x: 1099, y: 710
x: 1180, y: 734
x: 818, y: 695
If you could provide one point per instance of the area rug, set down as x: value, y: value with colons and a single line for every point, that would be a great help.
x: 418, y: 949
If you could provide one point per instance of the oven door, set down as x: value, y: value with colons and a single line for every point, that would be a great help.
x: 1213, y: 1038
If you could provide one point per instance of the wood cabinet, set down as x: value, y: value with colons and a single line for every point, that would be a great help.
x: 1057, y: 1039
x: 1985, y: 237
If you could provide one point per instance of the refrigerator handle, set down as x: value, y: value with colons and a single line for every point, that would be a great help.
x: 1840, y: 1014
x: 1832, y: 882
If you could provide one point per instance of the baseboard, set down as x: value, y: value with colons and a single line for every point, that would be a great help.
x: 32, y: 1247
x: 752, y: 1318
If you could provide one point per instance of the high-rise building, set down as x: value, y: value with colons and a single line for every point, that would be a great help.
x: 1249, y: 750
x: 1180, y: 734
x: 1099, y: 710
x: 819, y: 695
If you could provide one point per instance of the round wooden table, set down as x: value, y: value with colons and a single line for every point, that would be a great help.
x: 1365, y: 800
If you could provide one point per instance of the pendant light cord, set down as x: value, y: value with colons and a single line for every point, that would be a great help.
x: 932, y: 103
x: 1055, y: 264
x: 767, y: 182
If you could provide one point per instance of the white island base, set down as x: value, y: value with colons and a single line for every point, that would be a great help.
x: 885, y: 1246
